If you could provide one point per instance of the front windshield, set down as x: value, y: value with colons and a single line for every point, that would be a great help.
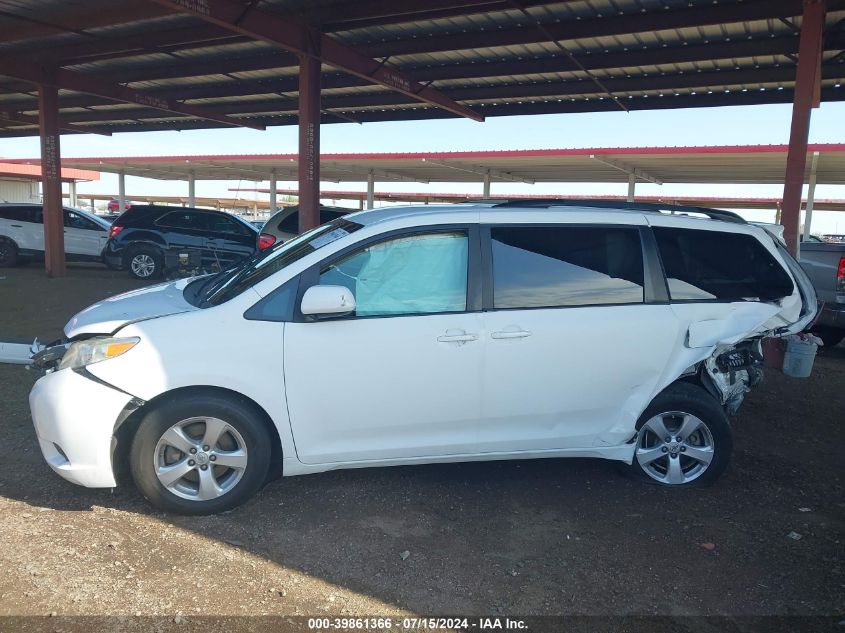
x: 263, y: 264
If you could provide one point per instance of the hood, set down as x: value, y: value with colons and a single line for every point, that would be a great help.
x: 109, y: 315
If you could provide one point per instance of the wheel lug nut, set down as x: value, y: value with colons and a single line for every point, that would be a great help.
x: 205, y: 447
x: 668, y: 439
x: 191, y: 462
x: 674, y: 456
x: 683, y: 449
x: 664, y: 449
x: 213, y: 458
x: 193, y: 451
x: 204, y: 467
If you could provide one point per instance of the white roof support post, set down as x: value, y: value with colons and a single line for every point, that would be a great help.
x: 486, y: 192
x: 121, y: 191
x: 71, y: 192
x: 371, y: 189
x: 273, y: 187
x: 626, y: 168
x: 192, y: 189
x: 632, y: 185
x: 811, y: 195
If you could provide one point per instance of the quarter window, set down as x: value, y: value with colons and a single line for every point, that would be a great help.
x: 546, y: 267
x: 418, y: 274
x: 716, y: 265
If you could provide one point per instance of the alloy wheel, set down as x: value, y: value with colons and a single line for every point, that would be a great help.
x: 674, y: 448
x: 143, y: 265
x: 200, y: 458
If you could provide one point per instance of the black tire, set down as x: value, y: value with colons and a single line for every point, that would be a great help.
x: 830, y: 336
x: 147, y: 454
x: 8, y: 253
x: 152, y: 260
x: 694, y: 401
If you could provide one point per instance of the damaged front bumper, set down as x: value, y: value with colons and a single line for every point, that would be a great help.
x: 75, y: 417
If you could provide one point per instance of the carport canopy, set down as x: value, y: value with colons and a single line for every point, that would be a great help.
x: 139, y: 65
x: 741, y: 164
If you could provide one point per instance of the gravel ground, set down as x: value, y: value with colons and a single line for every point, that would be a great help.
x: 537, y: 537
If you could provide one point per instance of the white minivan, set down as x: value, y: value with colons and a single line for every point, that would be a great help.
x: 427, y: 334
x: 22, y: 234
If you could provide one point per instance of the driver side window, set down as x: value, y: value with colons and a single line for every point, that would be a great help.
x: 416, y: 274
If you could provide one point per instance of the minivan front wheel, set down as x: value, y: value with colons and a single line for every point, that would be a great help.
x: 683, y: 438
x: 200, y: 455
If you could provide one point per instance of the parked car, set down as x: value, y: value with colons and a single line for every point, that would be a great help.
x: 284, y: 225
x: 141, y: 237
x: 113, y: 205
x: 22, y: 234
x: 427, y: 334
x: 824, y: 263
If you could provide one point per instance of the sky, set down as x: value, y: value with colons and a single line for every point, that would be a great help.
x: 736, y: 125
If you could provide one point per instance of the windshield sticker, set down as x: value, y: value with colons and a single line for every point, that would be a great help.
x: 327, y: 238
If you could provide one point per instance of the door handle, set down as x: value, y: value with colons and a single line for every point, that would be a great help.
x: 457, y: 338
x: 16, y: 226
x: 510, y: 334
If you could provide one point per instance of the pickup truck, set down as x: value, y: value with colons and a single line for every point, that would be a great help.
x: 824, y: 263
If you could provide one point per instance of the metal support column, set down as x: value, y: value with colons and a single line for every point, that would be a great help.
x: 192, y: 189
x: 811, y: 196
x: 273, y: 187
x: 71, y: 193
x: 51, y: 181
x: 632, y: 185
x: 371, y: 189
x: 121, y: 191
x: 486, y: 191
x: 309, y: 142
x: 806, y: 97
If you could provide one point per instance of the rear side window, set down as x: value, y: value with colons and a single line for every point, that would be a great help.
x: 547, y: 267
x: 183, y: 220
x: 719, y: 266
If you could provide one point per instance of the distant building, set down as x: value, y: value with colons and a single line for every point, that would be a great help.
x: 22, y: 183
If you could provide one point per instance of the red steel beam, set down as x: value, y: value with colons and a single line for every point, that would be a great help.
x: 309, y: 142
x: 78, y: 82
x: 19, y: 117
x: 807, y: 80
x: 51, y: 181
x: 298, y: 37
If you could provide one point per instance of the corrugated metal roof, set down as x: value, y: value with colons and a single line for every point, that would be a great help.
x: 488, y: 54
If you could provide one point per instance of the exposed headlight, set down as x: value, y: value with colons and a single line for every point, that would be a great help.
x: 83, y: 353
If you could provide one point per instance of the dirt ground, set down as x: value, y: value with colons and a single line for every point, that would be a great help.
x: 537, y: 537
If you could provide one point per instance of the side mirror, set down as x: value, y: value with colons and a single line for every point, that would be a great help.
x: 327, y: 301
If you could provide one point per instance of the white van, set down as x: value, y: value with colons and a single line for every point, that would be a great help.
x: 22, y: 234
x: 427, y: 334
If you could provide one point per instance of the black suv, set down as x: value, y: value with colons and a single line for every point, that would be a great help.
x: 146, y: 239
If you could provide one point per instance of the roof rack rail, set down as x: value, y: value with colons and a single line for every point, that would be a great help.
x: 654, y: 207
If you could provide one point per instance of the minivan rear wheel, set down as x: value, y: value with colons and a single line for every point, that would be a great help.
x: 683, y: 438
x: 201, y: 454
